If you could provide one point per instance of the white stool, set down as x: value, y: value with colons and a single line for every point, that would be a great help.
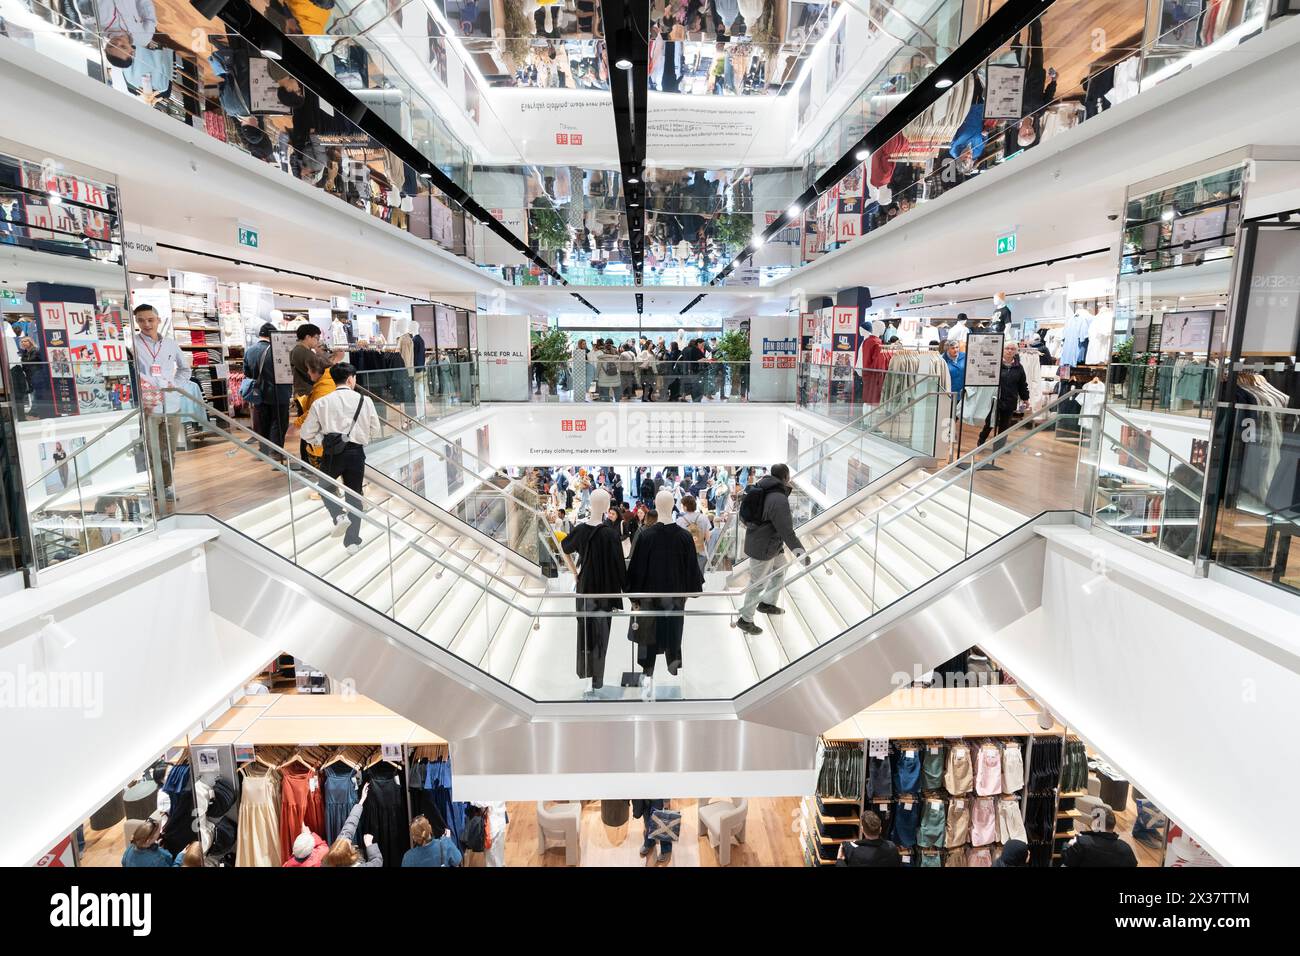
x: 561, y: 822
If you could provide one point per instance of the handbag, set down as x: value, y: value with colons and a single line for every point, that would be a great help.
x: 335, y: 443
x: 248, y: 388
x: 665, y: 825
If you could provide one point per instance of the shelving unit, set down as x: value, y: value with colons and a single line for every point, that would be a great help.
x: 196, y: 326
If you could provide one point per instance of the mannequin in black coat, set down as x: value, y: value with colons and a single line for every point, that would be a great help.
x: 601, y: 570
x: 663, y: 560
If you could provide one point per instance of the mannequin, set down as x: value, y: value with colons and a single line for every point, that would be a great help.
x: 871, y: 361
x: 663, y: 560
x: 1001, y: 313
x: 338, y: 334
x: 600, y: 571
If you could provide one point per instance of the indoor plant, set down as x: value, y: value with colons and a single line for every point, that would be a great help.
x: 733, y: 351
x: 551, y: 349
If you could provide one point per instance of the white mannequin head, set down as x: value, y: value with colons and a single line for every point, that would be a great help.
x: 878, y: 327
x: 999, y: 300
x: 599, y: 506
x: 664, y: 502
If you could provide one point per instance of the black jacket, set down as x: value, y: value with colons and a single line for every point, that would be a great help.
x: 877, y: 852
x: 663, y: 560
x: 647, y: 489
x: 1098, y: 849
x: 1013, y: 387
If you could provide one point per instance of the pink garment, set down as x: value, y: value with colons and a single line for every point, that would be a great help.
x: 988, y: 770
x: 983, y: 821
x: 980, y: 857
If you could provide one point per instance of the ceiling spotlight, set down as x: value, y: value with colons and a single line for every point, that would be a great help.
x: 861, y: 155
x: 632, y: 180
x: 943, y: 82
x: 623, y: 63
x: 1167, y: 215
x: 757, y: 241
x: 273, y: 47
x: 55, y: 199
x: 426, y: 176
x: 635, y: 205
x: 794, y: 212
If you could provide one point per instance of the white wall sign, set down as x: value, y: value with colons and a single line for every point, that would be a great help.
x: 1006, y: 92
x: 983, y: 358
x: 503, y: 357
x: 773, y: 357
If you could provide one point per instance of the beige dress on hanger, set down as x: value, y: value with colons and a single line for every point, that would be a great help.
x: 258, y: 840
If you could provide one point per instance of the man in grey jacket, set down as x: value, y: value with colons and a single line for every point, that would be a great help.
x: 765, y: 544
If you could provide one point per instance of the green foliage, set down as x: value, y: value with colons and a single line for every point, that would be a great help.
x: 733, y: 229
x: 733, y: 347
x: 552, y: 349
x: 547, y: 228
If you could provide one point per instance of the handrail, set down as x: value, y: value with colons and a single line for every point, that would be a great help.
x: 538, y: 511
x: 363, y: 512
x: 1156, y: 442
x: 868, y: 414
x: 878, y: 408
x: 1169, y: 474
x: 132, y: 415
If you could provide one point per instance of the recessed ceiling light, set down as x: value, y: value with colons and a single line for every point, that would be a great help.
x: 635, y: 205
x: 623, y: 63
x: 861, y: 155
x: 632, y: 180
x: 1167, y: 215
x: 943, y: 82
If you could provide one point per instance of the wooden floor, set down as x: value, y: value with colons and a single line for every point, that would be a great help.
x: 770, y: 838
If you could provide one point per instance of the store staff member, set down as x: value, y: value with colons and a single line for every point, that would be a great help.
x: 159, y: 364
x: 873, y: 850
x: 347, y: 413
x: 1099, y: 847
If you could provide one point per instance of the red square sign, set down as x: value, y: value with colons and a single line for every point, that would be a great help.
x: 575, y: 139
x: 580, y: 425
x: 561, y: 139
x: 566, y: 425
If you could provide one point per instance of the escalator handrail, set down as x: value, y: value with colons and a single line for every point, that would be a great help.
x: 861, y: 427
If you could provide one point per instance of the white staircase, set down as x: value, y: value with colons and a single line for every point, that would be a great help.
x: 918, y: 540
x: 438, y: 582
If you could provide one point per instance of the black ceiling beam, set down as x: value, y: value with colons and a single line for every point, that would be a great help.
x: 627, y: 41
x: 585, y: 302
x: 690, y: 305
x: 246, y: 21
x: 1008, y: 20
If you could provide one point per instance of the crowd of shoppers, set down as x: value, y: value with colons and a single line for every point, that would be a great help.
x: 645, y: 370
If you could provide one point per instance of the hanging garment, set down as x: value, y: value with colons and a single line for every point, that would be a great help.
x: 259, y: 820
x: 957, y: 825
x: 871, y: 363
x: 907, y: 819
x: 1100, y: 334
x: 955, y: 857
x: 958, y: 777
x: 979, y: 856
x: 879, y: 779
x: 1074, y: 339
x: 1013, y: 768
x: 907, y: 769
x: 983, y: 821
x: 1010, y: 824
x: 384, y: 816
x: 300, y: 803
x: 179, y: 830
x: 933, y: 823
x: 340, y: 786
x: 932, y: 766
x: 988, y: 770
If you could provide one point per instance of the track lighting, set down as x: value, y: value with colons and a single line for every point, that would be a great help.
x: 623, y: 63
x: 1168, y: 215
x: 862, y: 155
x: 943, y: 82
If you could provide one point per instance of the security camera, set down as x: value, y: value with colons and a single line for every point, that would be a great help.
x: 1112, y: 216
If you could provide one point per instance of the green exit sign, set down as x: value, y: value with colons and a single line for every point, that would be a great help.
x: 9, y: 294
x: 248, y: 236
x: 1006, y: 244
x: 358, y: 296
x: 916, y: 298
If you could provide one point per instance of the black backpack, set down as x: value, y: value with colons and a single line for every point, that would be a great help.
x: 751, y: 506
x: 474, y: 836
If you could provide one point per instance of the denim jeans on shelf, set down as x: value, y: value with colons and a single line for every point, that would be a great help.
x: 879, y: 782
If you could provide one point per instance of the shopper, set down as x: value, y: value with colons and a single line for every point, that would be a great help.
x: 270, y: 401
x: 1013, y: 388
x: 308, y: 345
x: 309, y: 849
x: 956, y: 361
x: 646, y: 368
x: 608, y: 377
x: 647, y: 490
x: 323, y: 384
x: 873, y: 849
x: 580, y: 371
x: 674, y: 373
x: 697, y: 524
x: 343, y: 851
x: 143, y: 850
x: 427, y: 851
x: 645, y: 810
x: 343, y: 423
x: 1014, y: 853
x: 692, y: 368
x: 769, y: 531
x: 1100, y: 846
x: 159, y: 365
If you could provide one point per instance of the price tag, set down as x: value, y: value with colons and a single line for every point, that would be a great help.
x: 391, y: 752
x: 312, y: 784
x: 958, y: 804
x: 934, y: 749
x: 907, y: 858
x: 244, y: 753
x: 936, y: 804
x: 910, y: 753
x: 882, y: 806
x: 207, y: 760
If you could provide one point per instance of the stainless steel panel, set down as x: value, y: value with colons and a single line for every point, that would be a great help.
x: 931, y: 625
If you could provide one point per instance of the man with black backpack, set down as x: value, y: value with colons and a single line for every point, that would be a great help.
x: 342, y: 424
x: 769, y: 530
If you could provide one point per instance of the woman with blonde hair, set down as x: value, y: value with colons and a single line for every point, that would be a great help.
x: 427, y: 851
x: 192, y: 855
x: 343, y: 851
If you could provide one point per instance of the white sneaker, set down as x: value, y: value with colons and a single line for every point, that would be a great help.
x: 647, y: 688
x: 352, y: 548
x: 340, y: 526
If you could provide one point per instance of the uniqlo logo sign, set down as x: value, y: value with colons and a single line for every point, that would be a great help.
x: 575, y: 139
x: 573, y: 425
x: 566, y: 425
x: 769, y: 361
x: 561, y: 139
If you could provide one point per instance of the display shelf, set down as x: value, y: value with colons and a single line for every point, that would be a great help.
x: 325, y: 719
